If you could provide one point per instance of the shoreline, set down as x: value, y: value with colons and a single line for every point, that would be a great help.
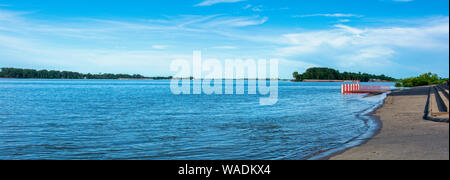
x: 365, y: 115
x: 403, y: 133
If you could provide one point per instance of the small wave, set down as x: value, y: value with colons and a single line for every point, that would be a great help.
x: 372, y: 123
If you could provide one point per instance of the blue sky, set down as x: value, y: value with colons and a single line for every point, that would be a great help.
x: 400, y: 38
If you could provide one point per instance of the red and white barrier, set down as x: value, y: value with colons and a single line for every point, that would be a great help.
x: 351, y: 87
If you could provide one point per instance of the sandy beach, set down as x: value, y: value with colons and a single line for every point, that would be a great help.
x: 404, y: 135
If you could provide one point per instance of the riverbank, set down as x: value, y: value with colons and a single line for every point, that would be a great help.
x: 405, y: 135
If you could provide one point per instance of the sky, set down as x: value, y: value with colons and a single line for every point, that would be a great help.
x: 399, y: 38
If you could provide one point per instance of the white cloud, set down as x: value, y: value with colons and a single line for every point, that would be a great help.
x: 355, y: 31
x: 350, y: 46
x: 371, y: 57
x: 213, y: 2
x: 343, y: 20
x: 236, y: 22
x: 159, y: 47
x: 257, y: 8
x: 6, y: 15
x: 289, y: 66
x: 310, y: 42
x: 428, y: 36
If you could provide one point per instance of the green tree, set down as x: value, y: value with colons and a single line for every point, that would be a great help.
x: 331, y: 74
x: 422, y: 80
x: 45, y: 74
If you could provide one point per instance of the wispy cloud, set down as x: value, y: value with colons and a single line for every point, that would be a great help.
x: 339, y: 15
x: 257, y: 8
x: 113, y: 29
x: 261, y: 8
x: 135, y: 45
x: 343, y: 20
x: 159, y: 47
x: 213, y: 2
x: 237, y: 21
x: 357, y: 32
x: 224, y: 47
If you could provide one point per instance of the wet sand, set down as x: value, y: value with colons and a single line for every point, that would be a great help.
x: 404, y: 135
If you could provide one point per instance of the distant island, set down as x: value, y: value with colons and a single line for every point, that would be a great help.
x: 46, y: 74
x: 328, y: 74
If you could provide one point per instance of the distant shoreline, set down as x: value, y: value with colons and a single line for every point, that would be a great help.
x: 143, y: 79
x: 81, y: 79
x: 20, y: 73
x: 318, y: 80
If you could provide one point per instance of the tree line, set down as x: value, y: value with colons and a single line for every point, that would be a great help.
x: 46, y: 74
x: 422, y: 80
x: 332, y: 74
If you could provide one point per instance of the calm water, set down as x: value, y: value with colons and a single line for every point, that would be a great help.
x: 109, y: 119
